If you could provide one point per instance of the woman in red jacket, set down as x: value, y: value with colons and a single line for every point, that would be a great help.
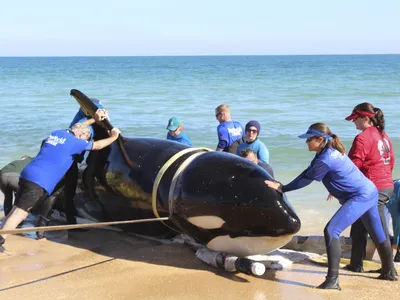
x: 372, y: 153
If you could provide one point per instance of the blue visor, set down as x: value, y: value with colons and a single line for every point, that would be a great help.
x: 311, y: 132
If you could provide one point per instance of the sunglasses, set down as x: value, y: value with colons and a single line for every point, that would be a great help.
x: 310, y: 139
x: 252, y: 130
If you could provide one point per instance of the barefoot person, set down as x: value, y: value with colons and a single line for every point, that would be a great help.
x: 356, y: 193
x: 41, y: 175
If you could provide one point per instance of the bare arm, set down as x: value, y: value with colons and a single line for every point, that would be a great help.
x: 98, y: 145
x: 99, y: 115
x: 89, y: 122
x: 219, y: 149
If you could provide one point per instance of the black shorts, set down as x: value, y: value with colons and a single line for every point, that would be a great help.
x: 29, y: 195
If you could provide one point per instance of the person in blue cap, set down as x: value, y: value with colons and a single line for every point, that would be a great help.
x: 357, y: 195
x: 252, y: 141
x: 175, y: 132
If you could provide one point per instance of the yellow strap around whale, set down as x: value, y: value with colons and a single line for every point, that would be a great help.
x: 163, y: 169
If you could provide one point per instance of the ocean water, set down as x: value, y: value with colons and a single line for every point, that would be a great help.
x: 284, y: 93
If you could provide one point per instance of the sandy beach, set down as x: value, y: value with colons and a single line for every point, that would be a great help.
x: 107, y: 264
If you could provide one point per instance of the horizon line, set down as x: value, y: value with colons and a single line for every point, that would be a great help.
x: 203, y: 55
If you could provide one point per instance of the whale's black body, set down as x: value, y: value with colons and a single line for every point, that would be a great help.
x: 217, y: 198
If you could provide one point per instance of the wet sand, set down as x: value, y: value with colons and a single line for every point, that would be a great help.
x: 106, y: 264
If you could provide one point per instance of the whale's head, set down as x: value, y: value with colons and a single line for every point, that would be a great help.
x: 222, y: 201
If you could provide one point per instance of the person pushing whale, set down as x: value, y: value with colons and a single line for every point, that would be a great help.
x: 355, y: 192
x: 55, y: 157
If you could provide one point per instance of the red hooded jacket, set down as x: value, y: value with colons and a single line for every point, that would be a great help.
x: 373, y: 154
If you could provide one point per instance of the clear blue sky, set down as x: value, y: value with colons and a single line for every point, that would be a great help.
x: 202, y: 27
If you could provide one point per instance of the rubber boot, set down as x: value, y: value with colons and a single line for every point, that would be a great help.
x: 397, y: 256
x: 41, y: 222
x: 7, y: 203
x: 333, y: 251
x: 359, y: 236
x: 2, y: 240
x: 386, y: 255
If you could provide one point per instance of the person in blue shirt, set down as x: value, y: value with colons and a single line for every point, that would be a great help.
x: 253, y: 142
x: 357, y: 195
x: 230, y: 133
x: 67, y: 186
x: 40, y: 176
x: 175, y: 132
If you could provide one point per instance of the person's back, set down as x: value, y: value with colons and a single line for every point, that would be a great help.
x: 339, y: 175
x: 230, y: 133
x: 9, y: 177
x: 377, y: 162
x: 16, y: 166
x: 54, y: 159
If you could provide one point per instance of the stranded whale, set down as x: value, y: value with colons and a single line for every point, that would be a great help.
x: 219, y: 199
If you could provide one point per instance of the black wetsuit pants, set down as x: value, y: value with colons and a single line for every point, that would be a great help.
x: 359, y: 233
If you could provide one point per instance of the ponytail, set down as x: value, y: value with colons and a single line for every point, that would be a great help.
x: 379, y: 120
x: 333, y: 140
x: 337, y: 144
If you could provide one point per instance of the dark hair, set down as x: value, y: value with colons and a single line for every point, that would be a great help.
x: 335, y: 142
x: 379, y: 120
x: 246, y: 152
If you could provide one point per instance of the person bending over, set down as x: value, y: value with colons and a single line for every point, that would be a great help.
x: 357, y: 195
x: 9, y: 177
x: 41, y: 175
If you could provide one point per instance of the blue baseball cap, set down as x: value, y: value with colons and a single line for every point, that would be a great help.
x: 173, y: 123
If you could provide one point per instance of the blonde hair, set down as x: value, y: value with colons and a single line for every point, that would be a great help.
x: 81, y: 129
x: 222, y: 108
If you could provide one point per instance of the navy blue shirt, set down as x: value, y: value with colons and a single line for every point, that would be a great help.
x: 338, y: 173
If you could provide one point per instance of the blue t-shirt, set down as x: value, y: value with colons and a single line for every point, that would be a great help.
x: 338, y: 173
x: 54, y: 159
x: 182, y: 138
x: 258, y: 147
x: 228, y: 133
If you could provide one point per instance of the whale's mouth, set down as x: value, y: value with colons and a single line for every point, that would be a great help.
x: 246, y: 246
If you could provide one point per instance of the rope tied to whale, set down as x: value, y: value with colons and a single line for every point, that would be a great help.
x: 165, y: 167
x: 159, y: 176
